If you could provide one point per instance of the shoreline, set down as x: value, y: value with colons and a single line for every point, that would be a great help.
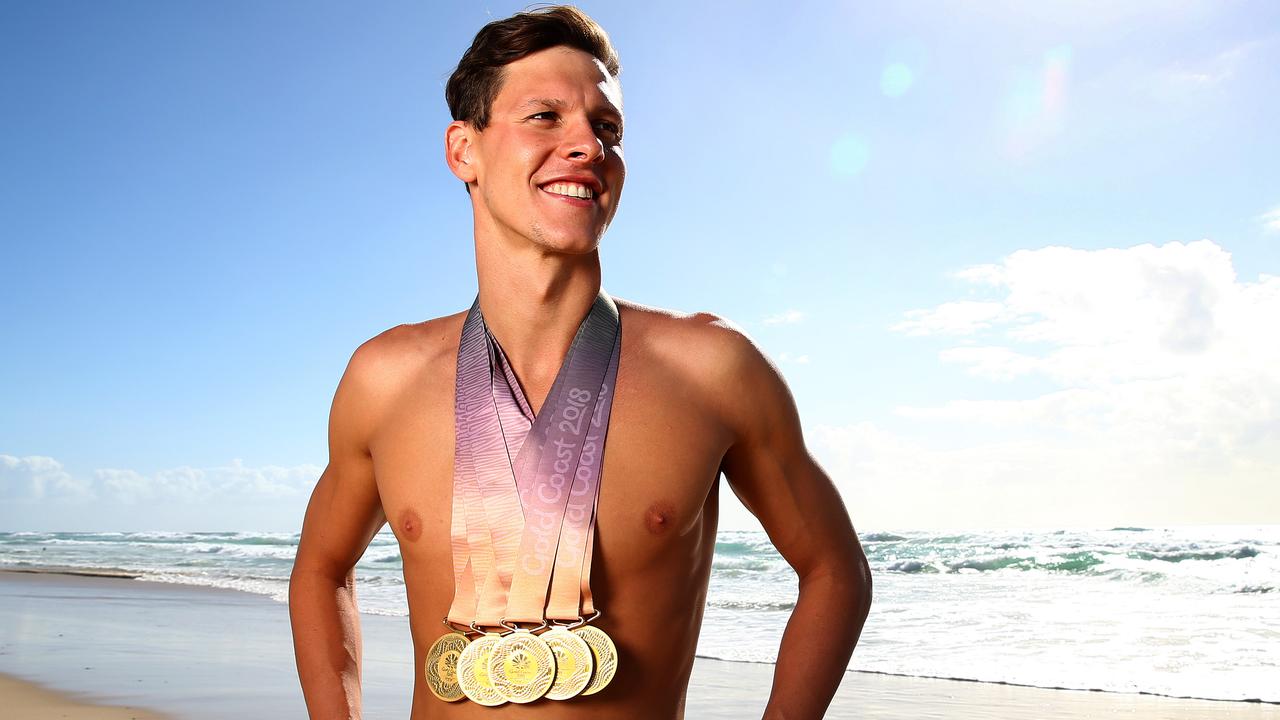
x: 75, y: 571
x: 116, y: 573
x: 885, y: 673
x: 134, y: 639
x: 33, y: 701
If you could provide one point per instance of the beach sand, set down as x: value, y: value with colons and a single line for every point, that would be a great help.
x: 208, y: 654
x: 31, y: 702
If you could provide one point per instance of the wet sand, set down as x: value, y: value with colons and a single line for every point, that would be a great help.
x: 31, y: 702
x: 207, y: 654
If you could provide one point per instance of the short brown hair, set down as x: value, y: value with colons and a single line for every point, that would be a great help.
x: 474, y: 84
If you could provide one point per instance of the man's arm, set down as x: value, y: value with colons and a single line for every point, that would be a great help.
x: 342, y: 517
x: 777, y: 479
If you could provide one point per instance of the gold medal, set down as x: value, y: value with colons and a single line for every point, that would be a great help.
x: 573, y: 663
x: 522, y: 667
x: 473, y: 671
x: 442, y: 666
x: 605, y: 654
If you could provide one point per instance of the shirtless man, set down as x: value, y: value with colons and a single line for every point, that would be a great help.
x: 694, y: 398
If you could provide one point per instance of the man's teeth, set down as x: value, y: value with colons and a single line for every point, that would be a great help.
x: 570, y: 189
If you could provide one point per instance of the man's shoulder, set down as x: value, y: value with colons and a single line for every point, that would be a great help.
x: 701, y: 345
x: 406, y: 351
x: 705, y: 343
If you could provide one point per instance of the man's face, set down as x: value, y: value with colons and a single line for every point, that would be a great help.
x: 554, y: 135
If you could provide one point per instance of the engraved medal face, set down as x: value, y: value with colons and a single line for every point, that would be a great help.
x: 473, y: 671
x: 574, y: 663
x: 606, y: 657
x: 522, y: 667
x: 442, y: 666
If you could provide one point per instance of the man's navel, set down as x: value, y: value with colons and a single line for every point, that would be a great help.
x: 410, y: 525
x: 660, y: 517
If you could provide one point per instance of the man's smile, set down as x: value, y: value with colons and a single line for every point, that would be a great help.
x: 570, y: 190
x: 573, y: 193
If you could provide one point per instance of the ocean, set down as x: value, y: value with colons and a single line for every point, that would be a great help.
x: 1185, y: 612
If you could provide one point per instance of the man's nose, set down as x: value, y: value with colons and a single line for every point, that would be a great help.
x: 581, y: 142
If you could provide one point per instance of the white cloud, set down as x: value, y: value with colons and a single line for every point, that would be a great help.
x: 962, y: 317
x: 982, y: 274
x: 36, y: 477
x: 786, y: 357
x: 1271, y: 220
x: 993, y: 363
x: 1208, y: 72
x: 789, y: 317
x: 1096, y: 316
x: 1149, y: 87
x: 43, y: 480
x: 1165, y: 375
x: 188, y: 484
x: 889, y: 481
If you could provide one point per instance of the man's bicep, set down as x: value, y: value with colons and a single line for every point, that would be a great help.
x: 345, y: 510
x: 772, y: 472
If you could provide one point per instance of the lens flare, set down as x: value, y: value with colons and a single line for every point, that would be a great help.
x: 1054, y: 95
x: 849, y: 155
x: 1037, y: 101
x: 896, y: 79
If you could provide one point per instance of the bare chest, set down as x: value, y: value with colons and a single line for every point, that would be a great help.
x: 661, y: 461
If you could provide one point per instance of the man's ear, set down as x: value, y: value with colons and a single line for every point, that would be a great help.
x: 458, y: 141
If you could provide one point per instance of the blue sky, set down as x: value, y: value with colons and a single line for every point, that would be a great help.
x: 1017, y: 261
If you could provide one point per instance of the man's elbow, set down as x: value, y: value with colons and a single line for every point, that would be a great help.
x: 848, y: 574
x: 862, y: 582
x: 302, y: 583
x: 309, y: 580
x: 856, y: 577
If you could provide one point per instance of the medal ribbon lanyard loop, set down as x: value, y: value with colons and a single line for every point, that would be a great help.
x: 508, y: 528
x: 476, y: 428
x: 564, y: 470
x: 571, y: 580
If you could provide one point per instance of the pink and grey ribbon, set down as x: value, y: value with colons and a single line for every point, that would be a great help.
x: 525, y: 487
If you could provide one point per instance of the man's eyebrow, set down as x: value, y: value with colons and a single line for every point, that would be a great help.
x: 541, y: 102
x: 558, y: 104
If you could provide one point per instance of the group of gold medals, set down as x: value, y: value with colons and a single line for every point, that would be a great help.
x: 518, y: 665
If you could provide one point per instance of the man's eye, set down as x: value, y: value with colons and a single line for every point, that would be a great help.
x: 545, y: 114
x: 610, y: 127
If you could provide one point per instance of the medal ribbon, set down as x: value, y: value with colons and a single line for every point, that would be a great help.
x: 523, y: 513
x: 571, y: 580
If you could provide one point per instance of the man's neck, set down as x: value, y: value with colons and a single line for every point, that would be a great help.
x: 533, y: 302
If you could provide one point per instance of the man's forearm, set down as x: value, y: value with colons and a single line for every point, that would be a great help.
x: 326, y: 644
x: 820, y: 636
